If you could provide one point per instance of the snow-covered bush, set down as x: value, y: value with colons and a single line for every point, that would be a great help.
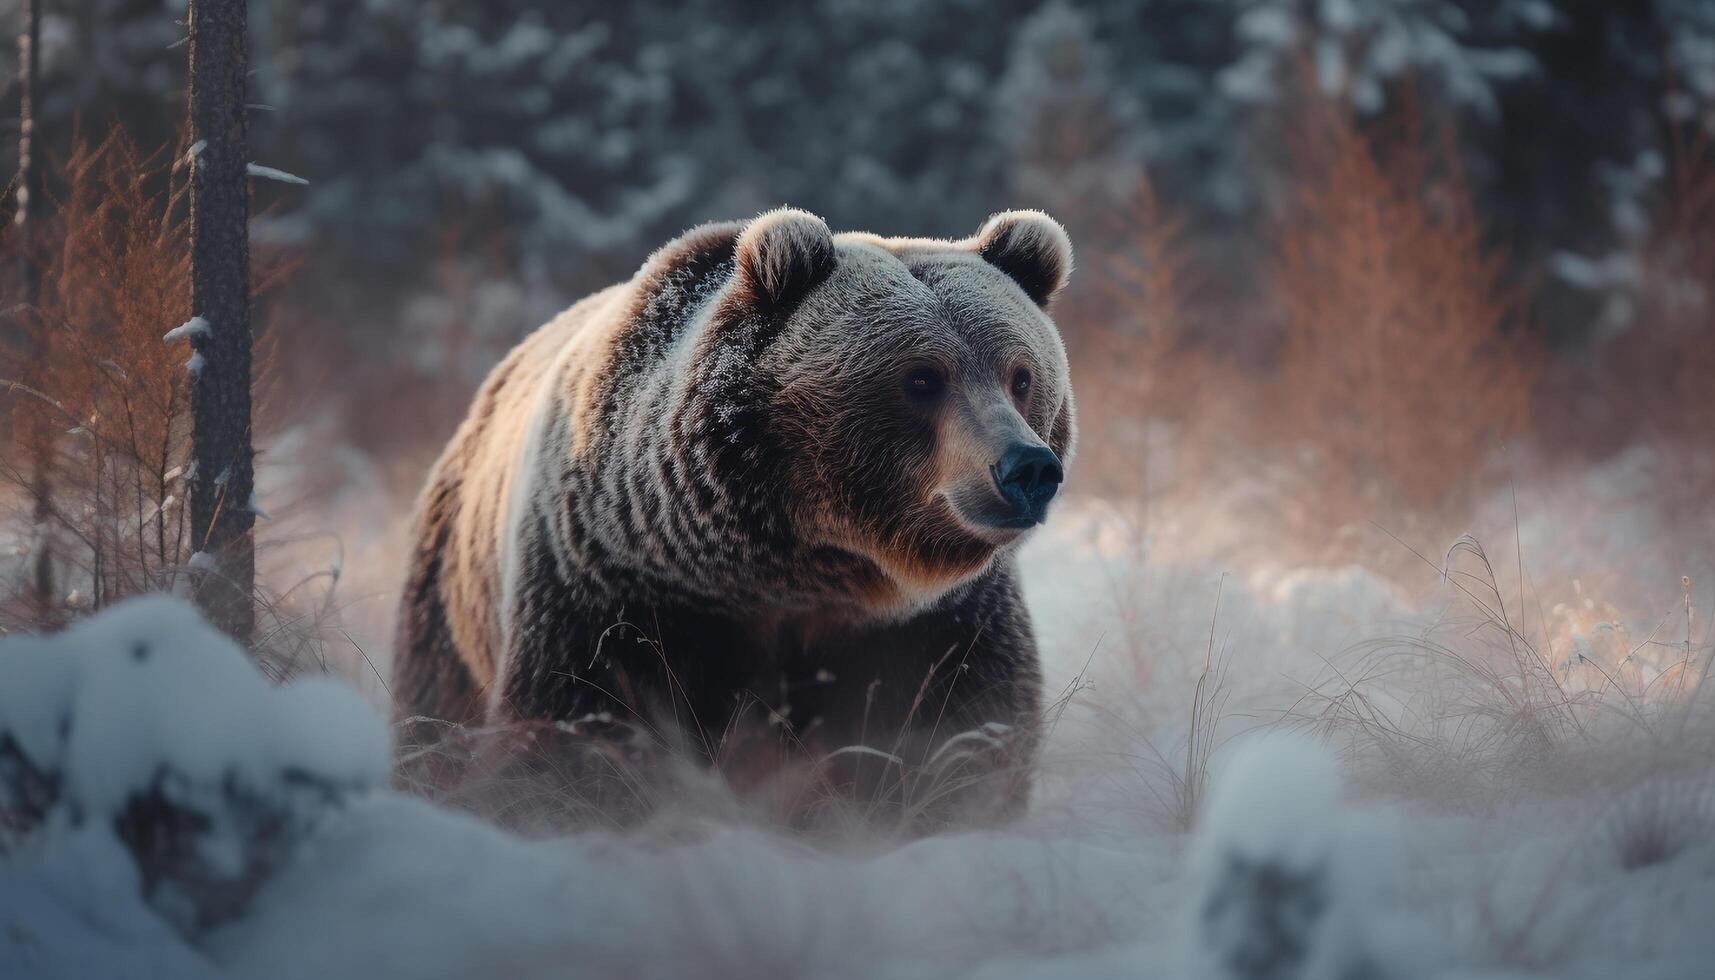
x: 1283, y: 878
x: 145, y: 723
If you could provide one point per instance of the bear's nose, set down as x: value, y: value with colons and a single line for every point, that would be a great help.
x: 1027, y: 477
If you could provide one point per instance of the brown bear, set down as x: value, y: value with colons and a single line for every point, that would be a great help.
x: 780, y: 470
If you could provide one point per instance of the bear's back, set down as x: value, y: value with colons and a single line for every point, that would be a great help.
x: 582, y: 359
x: 463, y: 507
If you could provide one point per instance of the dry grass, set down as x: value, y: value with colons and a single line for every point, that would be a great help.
x: 1480, y: 702
x: 544, y: 778
x: 654, y: 775
x: 1117, y: 737
x: 1188, y: 780
x: 662, y: 768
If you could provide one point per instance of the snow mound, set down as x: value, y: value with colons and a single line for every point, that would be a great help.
x: 77, y: 913
x: 166, y: 812
x: 145, y: 724
x: 1286, y: 881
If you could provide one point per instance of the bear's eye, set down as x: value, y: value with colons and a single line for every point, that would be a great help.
x: 925, y: 384
x: 1021, y: 384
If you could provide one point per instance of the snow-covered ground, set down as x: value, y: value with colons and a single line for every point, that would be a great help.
x: 1400, y: 789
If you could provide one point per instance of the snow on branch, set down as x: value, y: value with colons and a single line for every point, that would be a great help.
x: 195, y: 326
x: 269, y: 173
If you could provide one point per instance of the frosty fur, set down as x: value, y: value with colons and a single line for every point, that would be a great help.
x: 702, y: 490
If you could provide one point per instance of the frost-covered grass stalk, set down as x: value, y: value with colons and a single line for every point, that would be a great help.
x: 1480, y: 700
x: 600, y: 772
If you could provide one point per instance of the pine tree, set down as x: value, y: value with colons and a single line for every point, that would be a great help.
x: 222, y: 509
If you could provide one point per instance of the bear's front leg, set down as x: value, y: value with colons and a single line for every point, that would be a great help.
x: 984, y: 709
x: 557, y: 663
x: 938, y: 714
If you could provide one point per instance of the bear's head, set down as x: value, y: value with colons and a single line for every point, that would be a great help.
x: 919, y: 391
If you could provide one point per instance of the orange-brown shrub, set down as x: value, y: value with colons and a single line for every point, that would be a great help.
x: 1125, y: 327
x: 110, y: 393
x: 97, y: 400
x: 1402, y: 363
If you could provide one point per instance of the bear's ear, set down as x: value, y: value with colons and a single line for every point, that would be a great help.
x: 782, y: 254
x: 1030, y: 247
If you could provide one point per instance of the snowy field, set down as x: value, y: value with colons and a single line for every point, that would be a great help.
x: 1412, y: 778
x: 1380, y: 251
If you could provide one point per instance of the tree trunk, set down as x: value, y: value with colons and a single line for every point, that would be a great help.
x: 29, y: 322
x: 223, y: 573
